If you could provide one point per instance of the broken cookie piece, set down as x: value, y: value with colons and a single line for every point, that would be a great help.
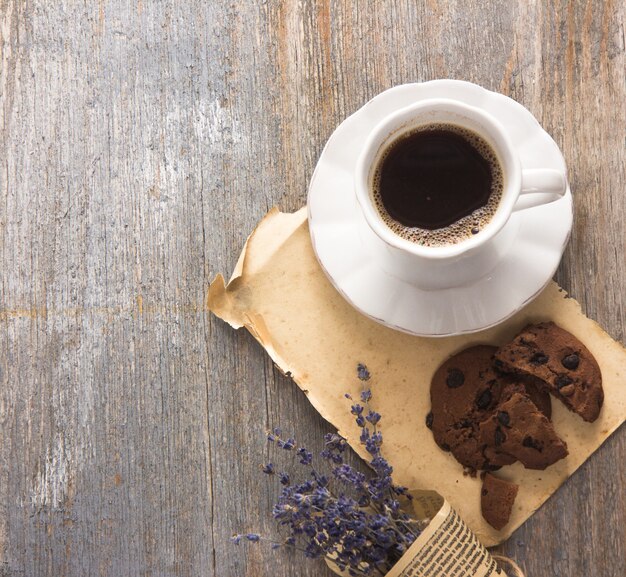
x: 496, y: 500
x: 562, y: 365
x: 463, y: 392
x: 519, y: 429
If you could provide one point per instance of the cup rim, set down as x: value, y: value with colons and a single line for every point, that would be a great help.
x: 403, y: 120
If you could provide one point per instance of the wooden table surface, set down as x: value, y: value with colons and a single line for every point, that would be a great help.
x: 140, y: 143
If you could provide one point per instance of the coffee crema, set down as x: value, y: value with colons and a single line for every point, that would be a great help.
x: 437, y: 184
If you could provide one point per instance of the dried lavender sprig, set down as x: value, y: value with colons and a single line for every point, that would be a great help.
x: 371, y: 444
x: 256, y: 538
x: 373, y: 441
x: 337, y: 526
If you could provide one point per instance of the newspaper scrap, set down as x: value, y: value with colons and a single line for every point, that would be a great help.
x: 280, y: 294
x: 446, y: 546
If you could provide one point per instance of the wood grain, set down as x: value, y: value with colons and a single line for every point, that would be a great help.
x: 140, y: 143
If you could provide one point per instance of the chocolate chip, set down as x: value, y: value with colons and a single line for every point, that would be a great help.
x: 504, y: 418
x: 445, y: 446
x: 455, y: 378
x: 498, y: 363
x: 562, y: 381
x: 429, y: 420
x: 531, y: 443
x: 571, y: 361
x: 499, y: 437
x: 539, y: 359
x: 484, y: 399
x: 483, y: 492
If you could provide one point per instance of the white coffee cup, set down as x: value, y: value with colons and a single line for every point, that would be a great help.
x: 435, y: 267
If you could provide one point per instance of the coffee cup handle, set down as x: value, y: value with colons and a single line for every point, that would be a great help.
x: 540, y: 186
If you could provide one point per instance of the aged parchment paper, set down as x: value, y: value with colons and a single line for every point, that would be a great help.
x: 280, y: 294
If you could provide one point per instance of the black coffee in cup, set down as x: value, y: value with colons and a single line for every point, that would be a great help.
x: 437, y: 184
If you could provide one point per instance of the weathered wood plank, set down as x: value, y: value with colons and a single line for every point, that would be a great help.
x: 139, y: 144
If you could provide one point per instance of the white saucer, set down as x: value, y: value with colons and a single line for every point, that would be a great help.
x: 539, y: 234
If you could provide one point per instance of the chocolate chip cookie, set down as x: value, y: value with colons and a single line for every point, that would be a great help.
x: 477, y: 414
x: 560, y: 362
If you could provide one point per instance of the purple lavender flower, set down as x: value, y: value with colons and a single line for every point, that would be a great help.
x: 335, y: 441
x: 274, y: 434
x: 286, y: 444
x: 362, y: 372
x: 306, y: 457
x: 372, y: 417
x: 356, y: 409
x: 334, y: 446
